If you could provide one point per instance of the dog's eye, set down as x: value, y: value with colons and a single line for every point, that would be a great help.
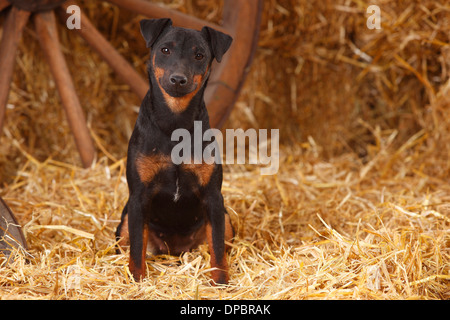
x: 165, y: 50
x: 198, y: 56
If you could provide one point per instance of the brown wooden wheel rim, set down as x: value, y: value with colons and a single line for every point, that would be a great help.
x: 11, y: 235
x: 241, y: 20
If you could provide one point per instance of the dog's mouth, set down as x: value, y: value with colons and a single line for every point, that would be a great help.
x: 178, y: 91
x: 178, y: 98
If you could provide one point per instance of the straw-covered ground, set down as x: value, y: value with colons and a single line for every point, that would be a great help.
x: 360, y: 206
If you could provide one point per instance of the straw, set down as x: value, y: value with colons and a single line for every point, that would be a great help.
x: 360, y: 206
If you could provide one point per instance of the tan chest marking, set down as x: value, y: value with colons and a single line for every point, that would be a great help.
x: 149, y: 166
x: 203, y: 171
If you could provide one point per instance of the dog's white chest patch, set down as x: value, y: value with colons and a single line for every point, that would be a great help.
x: 176, y: 195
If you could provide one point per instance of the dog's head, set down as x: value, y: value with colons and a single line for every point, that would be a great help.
x: 181, y: 58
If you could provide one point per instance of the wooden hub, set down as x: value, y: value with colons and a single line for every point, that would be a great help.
x: 36, y: 5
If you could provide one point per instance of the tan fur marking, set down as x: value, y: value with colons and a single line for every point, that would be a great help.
x: 159, y: 73
x: 203, y: 171
x: 149, y: 166
x: 228, y: 229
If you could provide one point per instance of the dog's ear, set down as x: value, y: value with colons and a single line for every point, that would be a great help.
x: 151, y: 29
x: 219, y: 42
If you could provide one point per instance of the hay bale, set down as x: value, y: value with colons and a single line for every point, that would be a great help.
x: 319, y: 69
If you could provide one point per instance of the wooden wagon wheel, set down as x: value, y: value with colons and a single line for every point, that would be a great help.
x: 11, y: 235
x: 241, y: 20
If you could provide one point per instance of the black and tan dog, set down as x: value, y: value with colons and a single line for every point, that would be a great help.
x: 173, y: 208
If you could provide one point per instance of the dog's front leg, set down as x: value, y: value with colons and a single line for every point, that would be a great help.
x: 218, y: 230
x: 138, y: 233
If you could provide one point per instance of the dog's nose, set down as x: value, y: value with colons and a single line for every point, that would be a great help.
x: 178, y: 79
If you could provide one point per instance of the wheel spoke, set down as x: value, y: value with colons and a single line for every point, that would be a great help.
x: 156, y: 11
x: 95, y: 39
x: 12, y: 33
x: 48, y: 38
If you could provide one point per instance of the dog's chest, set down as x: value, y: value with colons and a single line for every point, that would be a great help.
x: 159, y: 170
